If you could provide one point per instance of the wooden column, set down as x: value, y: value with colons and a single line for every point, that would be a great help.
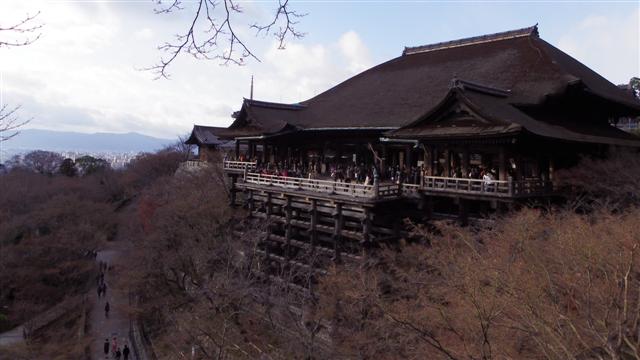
x: 434, y: 160
x: 463, y: 212
x: 366, y: 225
x: 237, y: 149
x: 287, y: 231
x: 268, y: 206
x: 384, y: 162
x: 264, y: 152
x: 409, y: 157
x: 250, y: 202
x: 465, y: 162
x: 337, y: 232
x: 232, y: 193
x: 314, y: 222
x: 502, y: 163
x: 447, y: 162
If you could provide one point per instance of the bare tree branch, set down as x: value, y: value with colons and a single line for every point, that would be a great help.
x: 24, y: 27
x: 212, y: 34
x: 9, y: 122
x: 287, y: 28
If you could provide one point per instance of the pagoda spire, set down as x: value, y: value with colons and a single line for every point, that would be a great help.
x: 251, y: 93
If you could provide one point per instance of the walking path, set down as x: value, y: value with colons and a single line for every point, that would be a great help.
x: 117, y: 324
x: 12, y: 337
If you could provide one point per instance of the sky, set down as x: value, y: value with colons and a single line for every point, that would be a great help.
x: 85, y: 72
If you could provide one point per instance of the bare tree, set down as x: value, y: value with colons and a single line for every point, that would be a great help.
x: 212, y: 32
x: 43, y: 162
x: 9, y: 122
x: 22, y: 33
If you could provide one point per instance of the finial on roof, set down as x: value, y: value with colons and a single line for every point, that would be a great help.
x: 251, y: 94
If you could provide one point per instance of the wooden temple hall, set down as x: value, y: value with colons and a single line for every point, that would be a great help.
x: 459, y: 127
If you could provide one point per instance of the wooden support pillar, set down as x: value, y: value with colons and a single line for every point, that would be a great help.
x: 237, y: 149
x: 384, y: 162
x: 463, y: 212
x: 264, y: 152
x: 287, y: 231
x: 268, y: 206
x: 465, y: 162
x: 337, y: 232
x: 250, y: 150
x: 434, y: 160
x: 313, y: 235
x: 366, y: 225
x: 250, y: 203
x: 502, y: 163
x: 428, y: 206
x: 232, y: 192
x: 409, y: 156
x: 447, y: 162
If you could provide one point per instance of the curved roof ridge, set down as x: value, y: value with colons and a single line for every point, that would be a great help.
x: 528, y: 31
x: 274, y: 105
x: 475, y: 86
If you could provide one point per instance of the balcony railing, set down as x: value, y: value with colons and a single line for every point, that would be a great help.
x: 487, y: 187
x: 240, y: 166
x: 325, y: 186
x: 463, y: 186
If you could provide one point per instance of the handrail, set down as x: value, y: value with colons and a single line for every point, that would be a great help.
x: 326, y: 186
x: 240, y: 165
x: 502, y: 188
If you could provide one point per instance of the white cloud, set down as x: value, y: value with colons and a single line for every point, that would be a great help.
x: 355, y: 51
x: 81, y: 75
x: 610, y: 46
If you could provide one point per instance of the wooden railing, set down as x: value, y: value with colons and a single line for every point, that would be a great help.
x: 494, y: 188
x: 325, y: 186
x: 462, y: 185
x: 240, y: 165
x: 509, y: 187
x: 190, y: 164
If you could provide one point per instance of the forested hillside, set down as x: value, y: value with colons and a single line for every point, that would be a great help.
x: 560, y: 282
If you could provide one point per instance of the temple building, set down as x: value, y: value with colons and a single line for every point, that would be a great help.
x: 459, y: 127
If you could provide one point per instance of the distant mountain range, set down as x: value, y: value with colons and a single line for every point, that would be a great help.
x: 35, y: 139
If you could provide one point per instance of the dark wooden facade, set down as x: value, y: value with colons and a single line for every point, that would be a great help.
x: 456, y: 127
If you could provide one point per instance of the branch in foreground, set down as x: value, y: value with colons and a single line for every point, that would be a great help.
x: 25, y: 26
x: 212, y: 34
x: 9, y: 122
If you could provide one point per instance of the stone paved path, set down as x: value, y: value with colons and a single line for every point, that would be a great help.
x: 117, y: 324
x: 12, y: 337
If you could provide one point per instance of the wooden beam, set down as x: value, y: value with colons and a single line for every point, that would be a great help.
x: 337, y: 235
x: 366, y: 225
x: 313, y: 235
x: 268, y: 206
x: 465, y: 162
x: 502, y: 163
x: 287, y: 233
x: 447, y: 162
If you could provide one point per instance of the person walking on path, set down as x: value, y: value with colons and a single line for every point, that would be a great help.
x: 114, y: 345
x: 106, y: 348
x: 106, y: 310
x: 99, y: 290
x: 104, y: 289
x: 125, y: 352
x: 118, y: 354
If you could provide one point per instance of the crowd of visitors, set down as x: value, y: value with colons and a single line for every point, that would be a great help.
x: 350, y: 172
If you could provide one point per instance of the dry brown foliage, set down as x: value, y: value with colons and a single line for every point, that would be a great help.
x: 554, y: 286
x: 613, y: 182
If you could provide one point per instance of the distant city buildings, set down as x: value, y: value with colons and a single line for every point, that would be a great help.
x: 116, y: 160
